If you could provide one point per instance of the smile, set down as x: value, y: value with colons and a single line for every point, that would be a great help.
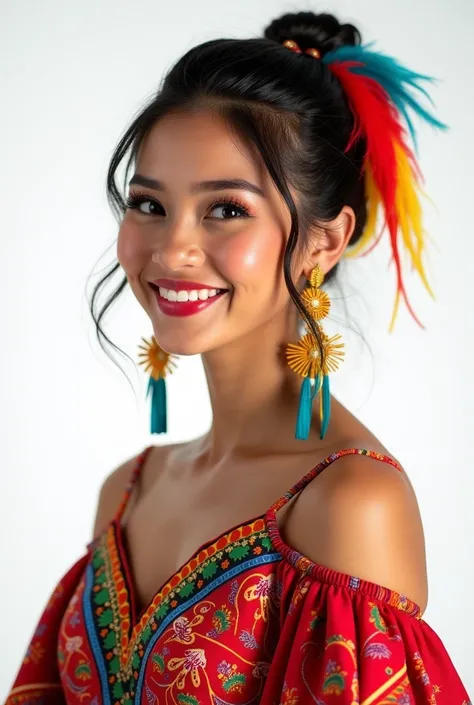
x: 186, y: 303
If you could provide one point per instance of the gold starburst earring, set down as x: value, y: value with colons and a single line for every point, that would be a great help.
x: 159, y: 364
x: 305, y: 359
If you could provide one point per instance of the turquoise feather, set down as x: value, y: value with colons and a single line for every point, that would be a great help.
x: 397, y: 80
x: 309, y: 390
x: 326, y: 406
x: 157, y: 389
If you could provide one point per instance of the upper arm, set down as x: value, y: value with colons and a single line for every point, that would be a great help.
x: 361, y: 517
x: 111, y: 495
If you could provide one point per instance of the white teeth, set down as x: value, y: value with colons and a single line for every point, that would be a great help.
x: 182, y: 296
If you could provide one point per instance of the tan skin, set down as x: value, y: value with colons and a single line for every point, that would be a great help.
x: 360, y: 516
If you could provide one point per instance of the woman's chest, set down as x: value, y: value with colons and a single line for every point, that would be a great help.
x: 208, y: 634
x: 175, y: 520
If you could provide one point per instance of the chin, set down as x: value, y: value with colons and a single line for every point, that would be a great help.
x: 178, y: 344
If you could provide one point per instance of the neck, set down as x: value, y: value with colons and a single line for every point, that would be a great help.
x: 254, y: 394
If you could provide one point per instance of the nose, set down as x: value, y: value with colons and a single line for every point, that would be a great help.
x: 178, y: 248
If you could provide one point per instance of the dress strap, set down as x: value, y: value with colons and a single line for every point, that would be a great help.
x: 301, y: 484
x: 134, y: 477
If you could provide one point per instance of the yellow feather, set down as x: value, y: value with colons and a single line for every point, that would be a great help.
x: 409, y: 214
x: 373, y: 202
x: 395, y: 312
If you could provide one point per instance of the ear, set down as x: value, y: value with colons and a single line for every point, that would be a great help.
x: 326, y: 244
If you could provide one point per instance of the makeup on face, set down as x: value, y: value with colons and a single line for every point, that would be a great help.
x: 204, y: 233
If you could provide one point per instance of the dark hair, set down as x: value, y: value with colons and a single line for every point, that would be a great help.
x: 286, y: 105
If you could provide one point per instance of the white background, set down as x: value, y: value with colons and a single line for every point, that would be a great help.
x: 73, y: 75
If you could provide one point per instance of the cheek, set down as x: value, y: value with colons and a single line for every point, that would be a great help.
x: 253, y: 260
x: 130, y: 251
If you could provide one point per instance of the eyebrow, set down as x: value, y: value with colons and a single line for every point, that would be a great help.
x: 212, y: 185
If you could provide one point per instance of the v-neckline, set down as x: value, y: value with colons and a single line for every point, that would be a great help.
x: 115, y: 540
x: 121, y: 545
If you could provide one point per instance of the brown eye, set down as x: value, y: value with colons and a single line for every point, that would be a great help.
x: 150, y: 206
x: 230, y: 209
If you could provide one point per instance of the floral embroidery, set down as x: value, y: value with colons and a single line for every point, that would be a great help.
x: 315, y: 618
x: 82, y: 671
x: 34, y: 653
x: 248, y: 639
x: 247, y: 621
x: 232, y: 680
x: 376, y: 619
x: 377, y: 650
x: 183, y: 631
x: 124, y: 648
x: 187, y: 699
x: 221, y: 621
x: 193, y: 660
x: 290, y: 696
x: 233, y: 591
x: 420, y: 667
x: 158, y: 661
x: 299, y: 593
x: 334, y: 682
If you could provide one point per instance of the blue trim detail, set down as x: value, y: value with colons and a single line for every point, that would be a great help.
x: 92, y: 634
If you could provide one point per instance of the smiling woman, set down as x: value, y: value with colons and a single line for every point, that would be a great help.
x: 279, y: 558
x: 185, y: 224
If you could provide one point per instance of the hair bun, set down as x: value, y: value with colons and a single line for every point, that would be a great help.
x: 307, y: 29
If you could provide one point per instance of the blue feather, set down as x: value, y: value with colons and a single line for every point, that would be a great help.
x: 397, y: 80
x: 326, y: 406
x: 309, y: 389
x: 157, y: 388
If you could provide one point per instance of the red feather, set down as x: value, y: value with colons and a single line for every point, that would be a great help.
x: 376, y: 120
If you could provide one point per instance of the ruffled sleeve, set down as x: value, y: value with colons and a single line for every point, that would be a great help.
x: 345, y: 641
x: 37, y: 682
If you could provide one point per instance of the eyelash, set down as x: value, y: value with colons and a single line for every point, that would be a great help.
x: 135, y: 200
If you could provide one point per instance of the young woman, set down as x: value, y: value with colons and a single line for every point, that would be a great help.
x: 279, y: 558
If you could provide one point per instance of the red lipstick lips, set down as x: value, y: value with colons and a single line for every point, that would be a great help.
x: 181, y: 285
x: 190, y: 298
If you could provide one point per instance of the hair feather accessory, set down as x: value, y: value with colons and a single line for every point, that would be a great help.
x: 381, y: 93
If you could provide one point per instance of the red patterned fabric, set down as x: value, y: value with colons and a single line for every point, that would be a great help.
x: 246, y: 620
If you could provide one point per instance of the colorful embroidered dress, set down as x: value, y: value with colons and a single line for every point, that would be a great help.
x: 246, y: 620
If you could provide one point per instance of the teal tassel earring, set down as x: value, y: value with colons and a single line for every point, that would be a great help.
x: 304, y: 358
x: 309, y: 389
x: 159, y: 363
x: 325, y: 408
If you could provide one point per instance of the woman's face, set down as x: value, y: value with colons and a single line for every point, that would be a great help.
x: 186, y: 233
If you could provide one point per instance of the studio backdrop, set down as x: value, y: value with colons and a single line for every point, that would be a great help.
x: 73, y: 76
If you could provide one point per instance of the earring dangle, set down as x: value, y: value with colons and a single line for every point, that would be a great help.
x: 159, y: 363
x: 304, y: 358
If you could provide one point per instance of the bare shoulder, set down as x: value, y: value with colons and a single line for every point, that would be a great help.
x: 361, y: 517
x: 115, y: 484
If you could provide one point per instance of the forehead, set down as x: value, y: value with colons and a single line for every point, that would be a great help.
x: 198, y: 141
